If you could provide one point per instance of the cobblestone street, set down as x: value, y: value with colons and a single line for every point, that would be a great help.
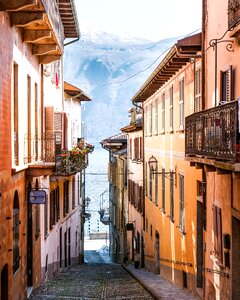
x: 93, y: 280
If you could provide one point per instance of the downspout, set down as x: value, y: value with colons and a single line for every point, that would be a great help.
x: 71, y: 42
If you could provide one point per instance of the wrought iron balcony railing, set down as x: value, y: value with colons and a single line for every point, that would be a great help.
x: 46, y: 150
x: 233, y: 12
x: 214, y: 133
x: 69, y: 162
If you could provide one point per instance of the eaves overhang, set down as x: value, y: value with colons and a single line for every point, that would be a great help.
x: 75, y: 92
x: 44, y: 24
x: 69, y: 19
x: 132, y: 128
x: 178, y: 56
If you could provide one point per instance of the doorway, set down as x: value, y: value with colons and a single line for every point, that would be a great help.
x: 235, y: 258
x: 157, y: 253
x: 4, y: 283
x: 200, y: 253
x: 29, y: 247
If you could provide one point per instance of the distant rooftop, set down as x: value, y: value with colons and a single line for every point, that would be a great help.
x: 75, y: 92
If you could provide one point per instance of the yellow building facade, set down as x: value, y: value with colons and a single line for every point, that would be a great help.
x: 171, y: 185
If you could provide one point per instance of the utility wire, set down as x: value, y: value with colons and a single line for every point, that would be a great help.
x: 146, y: 68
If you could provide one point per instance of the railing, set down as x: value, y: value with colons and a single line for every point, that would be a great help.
x: 39, y: 148
x: 69, y: 162
x: 214, y: 133
x: 45, y: 149
x: 233, y: 12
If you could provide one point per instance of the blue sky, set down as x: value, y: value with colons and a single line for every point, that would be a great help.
x: 149, y: 19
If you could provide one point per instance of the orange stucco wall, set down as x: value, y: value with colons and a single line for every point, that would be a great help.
x: 168, y: 148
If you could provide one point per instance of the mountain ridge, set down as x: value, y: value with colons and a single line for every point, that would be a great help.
x: 110, y: 70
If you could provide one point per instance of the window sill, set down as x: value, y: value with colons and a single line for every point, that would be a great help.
x: 16, y: 169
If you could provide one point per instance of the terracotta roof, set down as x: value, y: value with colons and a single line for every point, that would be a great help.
x: 115, y: 142
x: 178, y: 56
x: 69, y: 19
x: 132, y: 127
x: 75, y: 92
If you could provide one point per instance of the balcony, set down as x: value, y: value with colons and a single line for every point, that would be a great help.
x: 44, y: 24
x: 44, y: 156
x: 233, y: 13
x: 70, y: 162
x: 214, y: 133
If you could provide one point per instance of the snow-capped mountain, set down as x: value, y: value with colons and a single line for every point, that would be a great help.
x: 104, y: 66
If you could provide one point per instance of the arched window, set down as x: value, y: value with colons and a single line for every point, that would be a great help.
x: 16, y: 222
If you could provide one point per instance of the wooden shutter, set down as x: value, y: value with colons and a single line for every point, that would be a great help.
x: 140, y: 149
x: 65, y: 131
x: 217, y: 230
x: 49, y: 142
x: 58, y: 129
x: 227, y: 85
x: 198, y: 98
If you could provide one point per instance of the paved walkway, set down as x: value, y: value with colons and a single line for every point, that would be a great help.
x: 158, y: 287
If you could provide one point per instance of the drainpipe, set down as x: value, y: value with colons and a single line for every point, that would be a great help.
x: 71, y: 42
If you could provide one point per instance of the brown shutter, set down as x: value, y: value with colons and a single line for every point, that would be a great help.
x: 215, y: 228
x: 140, y: 148
x: 58, y: 129
x: 219, y: 223
x: 65, y: 131
x: 49, y: 118
x: 49, y: 142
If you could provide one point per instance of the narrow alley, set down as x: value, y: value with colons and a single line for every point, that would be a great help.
x: 95, y: 279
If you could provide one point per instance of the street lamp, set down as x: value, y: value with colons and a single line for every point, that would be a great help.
x: 153, y: 166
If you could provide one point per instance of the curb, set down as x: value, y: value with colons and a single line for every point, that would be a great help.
x: 147, y: 288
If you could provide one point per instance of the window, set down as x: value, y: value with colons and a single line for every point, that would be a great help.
x: 171, y: 108
x: 16, y: 222
x: 130, y: 148
x: 181, y: 204
x: 150, y: 119
x: 141, y: 199
x: 198, y: 96
x: 46, y: 217
x: 29, y: 121
x: 163, y: 112
x: 181, y: 104
x: 15, y: 114
x: 172, y: 196
x: 36, y: 121
x: 57, y: 202
x: 140, y: 149
x: 65, y: 197
x: 226, y: 85
x: 163, y: 190
x: 135, y: 150
x: 73, y: 193
x: 156, y: 187
x: 145, y: 122
x: 156, y: 116
x: 217, y: 230
x: 52, y: 209
x: 37, y: 225
x: 146, y: 179
x: 150, y: 186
